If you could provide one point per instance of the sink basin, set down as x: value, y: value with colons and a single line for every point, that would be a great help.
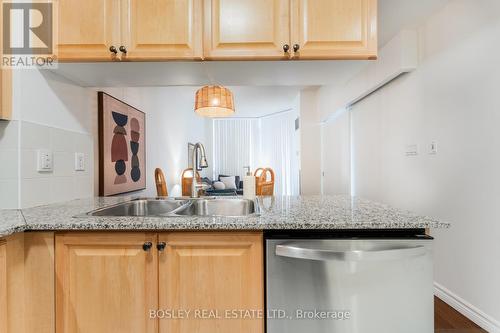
x: 180, y: 207
x: 218, y: 207
x: 141, y: 207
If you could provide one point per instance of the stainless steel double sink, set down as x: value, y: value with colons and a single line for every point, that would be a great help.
x: 170, y: 207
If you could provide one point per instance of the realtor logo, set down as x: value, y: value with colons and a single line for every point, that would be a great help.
x: 27, y: 34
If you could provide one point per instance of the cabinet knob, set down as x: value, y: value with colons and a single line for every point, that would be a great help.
x: 286, y: 48
x: 123, y: 49
x: 147, y: 246
x: 113, y: 49
x: 296, y: 47
x: 161, y: 246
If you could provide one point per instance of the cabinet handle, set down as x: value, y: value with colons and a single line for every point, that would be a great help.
x: 123, y: 49
x: 161, y: 246
x: 286, y: 48
x: 113, y: 49
x: 147, y: 246
x: 296, y: 47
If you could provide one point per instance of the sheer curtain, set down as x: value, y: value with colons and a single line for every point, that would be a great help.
x: 235, y: 145
x: 269, y: 141
x: 279, y: 151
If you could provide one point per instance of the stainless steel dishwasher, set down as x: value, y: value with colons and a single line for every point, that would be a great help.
x: 349, y: 281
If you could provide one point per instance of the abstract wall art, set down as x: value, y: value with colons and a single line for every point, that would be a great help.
x: 122, y: 148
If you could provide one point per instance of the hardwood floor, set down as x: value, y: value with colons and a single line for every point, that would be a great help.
x: 449, y: 320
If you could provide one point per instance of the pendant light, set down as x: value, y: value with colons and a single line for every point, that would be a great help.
x: 214, y: 101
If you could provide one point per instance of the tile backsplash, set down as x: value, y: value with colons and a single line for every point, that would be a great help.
x: 9, y: 164
x: 22, y: 185
x: 63, y: 182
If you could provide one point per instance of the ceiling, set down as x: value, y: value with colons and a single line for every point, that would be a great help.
x: 258, y: 101
x: 231, y: 73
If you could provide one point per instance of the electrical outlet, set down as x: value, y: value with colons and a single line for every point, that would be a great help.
x: 79, y: 162
x: 45, y: 160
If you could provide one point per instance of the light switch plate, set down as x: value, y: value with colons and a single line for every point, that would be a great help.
x: 411, y: 150
x: 433, y: 148
x: 79, y: 162
x: 45, y: 160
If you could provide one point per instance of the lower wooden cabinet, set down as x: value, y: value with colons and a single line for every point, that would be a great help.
x: 105, y: 282
x: 27, y: 283
x: 214, y: 279
x: 114, y: 282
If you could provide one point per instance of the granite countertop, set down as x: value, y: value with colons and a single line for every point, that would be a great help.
x: 286, y: 212
x: 11, y: 221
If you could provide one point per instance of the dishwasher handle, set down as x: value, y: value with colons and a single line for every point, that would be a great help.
x: 298, y: 251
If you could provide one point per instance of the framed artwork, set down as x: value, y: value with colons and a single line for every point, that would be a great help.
x: 122, y: 146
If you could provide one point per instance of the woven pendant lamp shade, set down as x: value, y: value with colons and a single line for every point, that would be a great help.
x: 214, y: 101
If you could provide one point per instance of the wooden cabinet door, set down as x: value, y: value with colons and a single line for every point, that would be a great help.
x: 86, y: 29
x: 5, y: 93
x: 214, y: 272
x: 162, y: 29
x: 335, y: 29
x: 105, y: 282
x: 246, y: 29
x: 3, y: 286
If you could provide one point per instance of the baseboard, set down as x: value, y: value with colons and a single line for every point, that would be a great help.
x: 468, y: 310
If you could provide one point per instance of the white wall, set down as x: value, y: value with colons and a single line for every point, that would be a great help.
x: 453, y: 99
x: 170, y: 124
x: 336, y: 155
x: 310, y: 143
x: 398, y: 56
x: 48, y: 113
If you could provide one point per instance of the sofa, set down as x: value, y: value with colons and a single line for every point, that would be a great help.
x: 225, y: 192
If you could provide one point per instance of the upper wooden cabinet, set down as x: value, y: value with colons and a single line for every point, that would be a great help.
x: 5, y: 94
x: 290, y: 29
x: 246, y: 29
x: 334, y: 29
x: 217, y: 272
x: 5, y: 83
x: 162, y: 29
x: 87, y: 29
x: 106, y: 30
x: 106, y: 282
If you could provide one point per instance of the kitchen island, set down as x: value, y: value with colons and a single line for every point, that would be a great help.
x: 68, y: 271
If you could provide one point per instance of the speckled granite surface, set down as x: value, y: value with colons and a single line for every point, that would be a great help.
x: 11, y: 221
x: 306, y: 212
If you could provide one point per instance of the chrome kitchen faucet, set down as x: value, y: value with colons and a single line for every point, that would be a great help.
x: 198, y: 147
